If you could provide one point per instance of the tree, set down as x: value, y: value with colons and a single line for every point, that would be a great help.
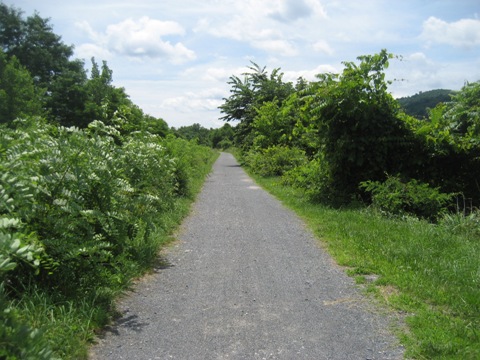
x: 34, y: 44
x: 290, y: 124
x: 248, y: 96
x: 361, y: 135
x: 272, y: 126
x: 195, y: 132
x: 11, y: 27
x: 103, y: 99
x: 18, y: 95
x: 451, y: 139
x: 222, y: 138
x: 155, y: 126
x: 68, y: 95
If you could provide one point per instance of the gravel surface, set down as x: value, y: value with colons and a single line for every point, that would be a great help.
x: 246, y: 280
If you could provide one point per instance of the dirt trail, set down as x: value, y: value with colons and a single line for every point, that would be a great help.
x: 246, y: 280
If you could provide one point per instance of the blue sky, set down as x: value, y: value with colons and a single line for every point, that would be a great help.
x: 174, y: 57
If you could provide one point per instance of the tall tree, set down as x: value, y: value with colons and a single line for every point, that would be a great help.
x: 361, y: 134
x: 68, y: 95
x: 103, y: 99
x: 18, y: 95
x: 248, y: 96
x: 32, y: 41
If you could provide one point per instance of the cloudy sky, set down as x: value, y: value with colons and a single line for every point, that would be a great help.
x: 174, y: 57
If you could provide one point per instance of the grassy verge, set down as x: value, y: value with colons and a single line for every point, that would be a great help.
x: 422, y: 270
x: 67, y: 326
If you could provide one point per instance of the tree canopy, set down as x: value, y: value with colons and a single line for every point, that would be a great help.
x: 249, y: 94
x: 38, y: 76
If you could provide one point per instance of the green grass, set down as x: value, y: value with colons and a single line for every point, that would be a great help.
x: 423, y: 270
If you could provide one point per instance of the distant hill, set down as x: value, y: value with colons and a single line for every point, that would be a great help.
x: 416, y: 105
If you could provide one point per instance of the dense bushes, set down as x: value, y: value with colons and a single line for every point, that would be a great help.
x: 275, y: 160
x: 352, y: 131
x: 82, y: 211
x: 313, y: 178
x: 397, y: 197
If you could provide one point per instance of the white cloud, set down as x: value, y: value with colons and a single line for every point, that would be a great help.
x: 267, y: 25
x: 309, y: 75
x: 292, y: 10
x: 277, y: 46
x: 87, y: 51
x: 462, y: 33
x: 140, y: 39
x: 417, y: 72
x: 190, y: 102
x: 323, y: 47
x: 221, y: 74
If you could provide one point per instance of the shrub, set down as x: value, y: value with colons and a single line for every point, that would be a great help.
x: 398, y: 197
x: 274, y: 161
x: 18, y: 340
x: 312, y: 177
x: 81, y: 213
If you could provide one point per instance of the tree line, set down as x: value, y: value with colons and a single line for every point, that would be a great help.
x: 343, y: 138
x: 39, y: 77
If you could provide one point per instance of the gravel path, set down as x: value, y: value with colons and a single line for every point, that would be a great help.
x: 246, y: 280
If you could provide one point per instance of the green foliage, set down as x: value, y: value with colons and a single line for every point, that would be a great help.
x: 18, y: 95
x: 361, y: 135
x: 275, y: 160
x: 18, y: 340
x: 195, y: 132
x: 68, y: 95
x: 103, y: 100
x: 419, y: 104
x: 37, y: 77
x: 90, y: 196
x: 352, y: 123
x: 313, y: 179
x: 463, y: 223
x: 272, y: 127
x: 223, y: 138
x: 451, y: 143
x: 397, y: 197
x: 82, y: 211
x: 34, y: 43
x: 248, y: 96
x: 189, y: 159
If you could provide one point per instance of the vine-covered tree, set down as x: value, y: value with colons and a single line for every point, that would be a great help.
x: 361, y: 134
